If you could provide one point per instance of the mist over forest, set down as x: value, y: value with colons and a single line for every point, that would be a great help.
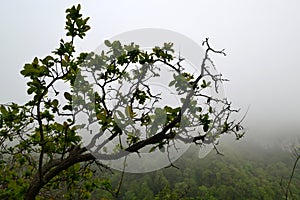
x: 248, y: 169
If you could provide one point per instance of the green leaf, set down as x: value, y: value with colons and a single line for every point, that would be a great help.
x: 68, y: 96
x: 152, y: 149
x: 172, y: 83
x: 120, y: 114
x: 129, y: 112
x: 205, y: 127
x: 162, y: 149
x: 35, y: 61
x: 67, y: 107
x: 31, y: 90
x: 204, y: 84
x: 107, y: 43
x: 55, y: 103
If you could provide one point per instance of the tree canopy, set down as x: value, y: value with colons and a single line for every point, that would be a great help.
x: 48, y: 149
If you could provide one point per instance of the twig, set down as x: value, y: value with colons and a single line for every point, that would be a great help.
x: 121, y: 180
x: 291, y: 177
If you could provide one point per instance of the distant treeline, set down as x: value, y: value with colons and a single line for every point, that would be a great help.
x: 246, y: 171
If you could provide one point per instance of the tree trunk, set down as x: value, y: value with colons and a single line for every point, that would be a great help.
x: 52, y: 169
x: 34, y: 189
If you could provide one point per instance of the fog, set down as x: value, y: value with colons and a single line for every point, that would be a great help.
x: 261, y: 39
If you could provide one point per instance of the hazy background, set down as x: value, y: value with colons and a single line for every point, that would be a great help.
x: 261, y: 38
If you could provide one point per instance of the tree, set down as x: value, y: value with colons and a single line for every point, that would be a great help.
x: 42, y: 150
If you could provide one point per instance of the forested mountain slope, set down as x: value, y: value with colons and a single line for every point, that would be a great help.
x: 246, y: 171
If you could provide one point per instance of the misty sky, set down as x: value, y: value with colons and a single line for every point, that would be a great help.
x: 261, y: 38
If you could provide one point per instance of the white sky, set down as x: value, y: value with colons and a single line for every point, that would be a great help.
x: 262, y: 39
